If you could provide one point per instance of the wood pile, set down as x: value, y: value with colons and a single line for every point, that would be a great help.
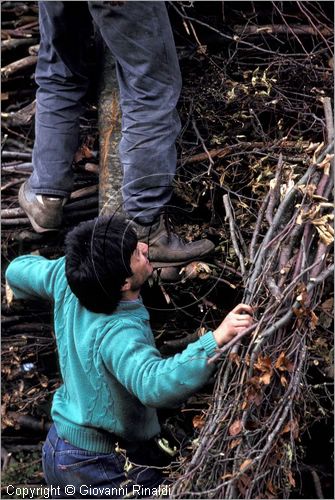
x: 29, y: 363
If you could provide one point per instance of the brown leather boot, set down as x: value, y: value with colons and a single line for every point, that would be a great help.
x: 166, y: 248
x: 45, y: 213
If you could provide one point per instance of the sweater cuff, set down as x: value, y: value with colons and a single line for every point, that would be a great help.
x: 208, y: 343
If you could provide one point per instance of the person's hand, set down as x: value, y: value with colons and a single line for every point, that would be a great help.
x: 234, y: 323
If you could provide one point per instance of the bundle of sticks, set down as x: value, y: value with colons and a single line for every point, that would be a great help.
x: 248, y: 441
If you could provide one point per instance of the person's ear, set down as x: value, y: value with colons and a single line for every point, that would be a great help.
x: 126, y: 286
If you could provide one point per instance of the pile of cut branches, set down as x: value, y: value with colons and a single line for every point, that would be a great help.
x: 247, y: 444
x: 264, y: 400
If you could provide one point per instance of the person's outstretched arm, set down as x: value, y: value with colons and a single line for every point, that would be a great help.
x: 32, y: 276
x: 131, y: 356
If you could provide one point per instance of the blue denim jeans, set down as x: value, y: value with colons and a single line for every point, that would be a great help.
x: 71, y: 472
x: 139, y: 36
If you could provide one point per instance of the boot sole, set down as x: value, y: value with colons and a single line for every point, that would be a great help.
x: 156, y: 265
x: 40, y: 229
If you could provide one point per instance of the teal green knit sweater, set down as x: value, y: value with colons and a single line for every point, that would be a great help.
x: 114, y: 378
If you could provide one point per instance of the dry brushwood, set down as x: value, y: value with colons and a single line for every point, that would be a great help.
x: 248, y: 442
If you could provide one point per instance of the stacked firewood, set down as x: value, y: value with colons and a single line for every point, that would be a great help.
x: 29, y: 363
x: 19, y: 48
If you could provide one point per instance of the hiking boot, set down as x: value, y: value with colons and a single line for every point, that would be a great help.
x: 44, y: 212
x: 166, y: 248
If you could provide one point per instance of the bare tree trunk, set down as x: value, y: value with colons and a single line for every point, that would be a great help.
x: 111, y: 173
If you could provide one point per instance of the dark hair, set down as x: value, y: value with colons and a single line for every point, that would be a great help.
x: 97, y: 257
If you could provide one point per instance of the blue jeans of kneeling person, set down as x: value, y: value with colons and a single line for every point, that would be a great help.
x: 72, y: 472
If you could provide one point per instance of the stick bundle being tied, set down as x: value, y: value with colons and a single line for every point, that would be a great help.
x: 247, y: 445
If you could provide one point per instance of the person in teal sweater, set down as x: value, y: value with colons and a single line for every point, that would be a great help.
x: 105, y: 429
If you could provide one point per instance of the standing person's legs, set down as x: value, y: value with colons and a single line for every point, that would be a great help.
x: 62, y: 77
x: 139, y: 36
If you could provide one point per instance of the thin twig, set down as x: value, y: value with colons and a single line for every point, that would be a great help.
x: 229, y: 216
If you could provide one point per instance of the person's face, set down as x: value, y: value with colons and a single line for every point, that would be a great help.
x: 140, y: 266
